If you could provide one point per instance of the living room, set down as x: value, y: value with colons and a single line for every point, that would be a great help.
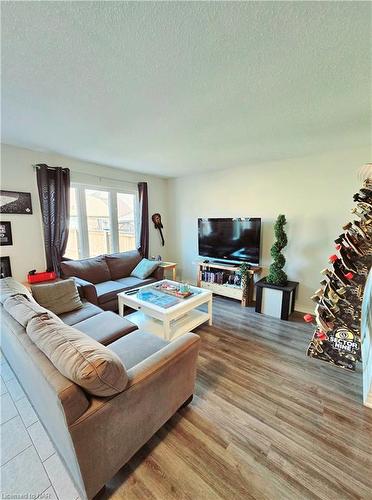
x: 186, y: 234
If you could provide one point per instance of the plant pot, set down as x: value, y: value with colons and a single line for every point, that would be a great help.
x: 274, y: 300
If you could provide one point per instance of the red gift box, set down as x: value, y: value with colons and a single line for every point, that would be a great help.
x: 38, y: 277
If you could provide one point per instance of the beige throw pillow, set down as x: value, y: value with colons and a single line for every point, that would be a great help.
x: 59, y: 297
x: 78, y: 357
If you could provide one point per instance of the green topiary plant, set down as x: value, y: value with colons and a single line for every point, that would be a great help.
x: 276, y: 274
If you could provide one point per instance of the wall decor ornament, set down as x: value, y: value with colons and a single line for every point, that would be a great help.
x: 5, y: 269
x: 15, y: 202
x: 156, y: 219
x: 6, y: 233
x: 337, y: 321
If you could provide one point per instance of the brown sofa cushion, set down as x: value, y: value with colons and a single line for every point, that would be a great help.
x: 23, y: 310
x: 78, y: 357
x: 135, y: 347
x: 132, y: 282
x: 87, y: 311
x: 59, y: 297
x: 94, y: 270
x: 106, y: 327
x: 122, y: 264
x: 108, y: 291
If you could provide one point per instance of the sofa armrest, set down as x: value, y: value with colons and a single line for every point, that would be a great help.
x: 88, y: 290
x: 152, y: 366
x: 120, y: 425
x: 158, y: 274
x: 159, y: 359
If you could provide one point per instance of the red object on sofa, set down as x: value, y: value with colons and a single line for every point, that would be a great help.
x: 38, y: 277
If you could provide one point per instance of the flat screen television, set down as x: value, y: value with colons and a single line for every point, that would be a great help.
x: 233, y: 240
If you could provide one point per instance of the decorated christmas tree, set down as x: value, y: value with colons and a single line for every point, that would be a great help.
x: 276, y: 274
x: 338, y: 311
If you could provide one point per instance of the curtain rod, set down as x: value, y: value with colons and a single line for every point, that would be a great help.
x: 36, y: 167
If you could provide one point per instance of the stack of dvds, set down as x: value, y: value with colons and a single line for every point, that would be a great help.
x: 220, y: 277
x: 213, y: 277
x: 339, y: 301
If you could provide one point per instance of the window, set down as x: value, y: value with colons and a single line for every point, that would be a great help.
x: 101, y: 221
x: 126, y: 221
x: 98, y: 221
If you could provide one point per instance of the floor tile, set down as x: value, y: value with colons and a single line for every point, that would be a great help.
x: 24, y: 475
x: 14, y: 439
x: 8, y: 410
x: 15, y: 389
x: 26, y: 411
x: 49, y: 494
x: 41, y: 441
x: 3, y: 388
x: 6, y: 372
x: 60, y: 478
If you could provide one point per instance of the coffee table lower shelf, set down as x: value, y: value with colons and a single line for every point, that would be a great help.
x: 186, y: 323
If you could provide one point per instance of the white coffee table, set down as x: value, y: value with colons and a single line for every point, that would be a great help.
x: 167, y: 322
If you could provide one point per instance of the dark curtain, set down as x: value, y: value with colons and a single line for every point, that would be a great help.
x: 144, y: 219
x: 54, y: 194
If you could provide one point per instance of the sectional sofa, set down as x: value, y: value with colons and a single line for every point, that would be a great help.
x: 102, y: 278
x: 100, y: 396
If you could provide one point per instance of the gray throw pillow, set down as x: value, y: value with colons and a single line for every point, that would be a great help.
x: 59, y: 297
x: 145, y: 268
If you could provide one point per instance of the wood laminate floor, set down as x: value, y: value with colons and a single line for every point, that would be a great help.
x: 266, y: 422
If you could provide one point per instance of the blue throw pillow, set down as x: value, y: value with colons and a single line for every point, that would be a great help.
x: 144, y: 269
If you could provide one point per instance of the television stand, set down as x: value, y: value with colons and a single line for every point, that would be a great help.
x: 214, y: 276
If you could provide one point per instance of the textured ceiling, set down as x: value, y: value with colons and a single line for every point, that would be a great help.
x: 181, y: 87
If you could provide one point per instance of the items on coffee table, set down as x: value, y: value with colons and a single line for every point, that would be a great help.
x: 181, y: 290
x: 166, y: 314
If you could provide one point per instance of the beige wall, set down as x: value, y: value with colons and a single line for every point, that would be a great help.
x: 17, y: 174
x: 315, y: 194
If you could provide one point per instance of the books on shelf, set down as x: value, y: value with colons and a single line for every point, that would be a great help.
x: 221, y: 277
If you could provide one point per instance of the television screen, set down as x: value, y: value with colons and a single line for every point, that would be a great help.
x: 230, y: 239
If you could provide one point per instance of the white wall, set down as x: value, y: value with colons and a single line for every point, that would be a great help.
x: 17, y: 174
x: 315, y: 194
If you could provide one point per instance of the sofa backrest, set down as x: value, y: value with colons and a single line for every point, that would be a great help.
x: 58, y: 401
x: 122, y: 264
x: 21, y: 351
x: 102, y: 268
x: 94, y: 270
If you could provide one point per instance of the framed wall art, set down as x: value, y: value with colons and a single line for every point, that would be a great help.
x: 15, y: 202
x: 5, y: 269
x: 6, y: 233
